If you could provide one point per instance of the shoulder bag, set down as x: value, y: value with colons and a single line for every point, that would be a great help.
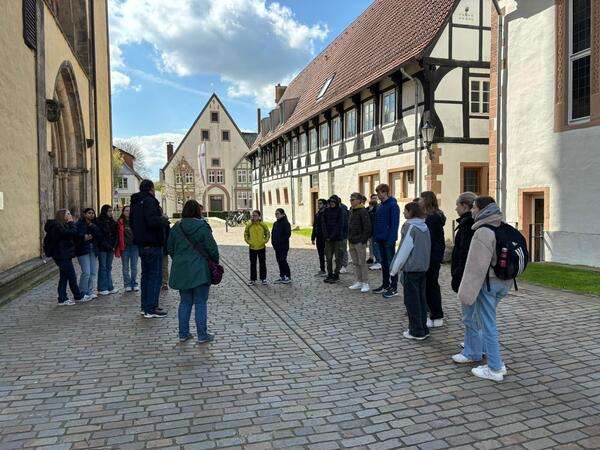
x: 216, y: 269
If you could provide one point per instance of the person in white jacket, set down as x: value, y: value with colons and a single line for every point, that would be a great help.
x: 412, y: 259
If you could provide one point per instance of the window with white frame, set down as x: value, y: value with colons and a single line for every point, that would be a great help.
x: 313, y: 139
x: 211, y: 176
x: 288, y: 145
x: 579, y: 58
x: 480, y: 97
x: 220, y: 176
x: 336, y: 128
x: 367, y: 116
x: 243, y: 199
x: 325, y: 87
x: 294, y: 147
x: 350, y: 123
x: 324, y: 135
x: 178, y: 178
x: 389, y: 107
x: 189, y: 177
x: 122, y: 183
x: 303, y: 143
x: 242, y: 176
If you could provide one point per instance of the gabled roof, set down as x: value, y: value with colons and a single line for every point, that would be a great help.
x: 198, y: 118
x: 249, y: 138
x: 388, y: 35
x: 132, y: 170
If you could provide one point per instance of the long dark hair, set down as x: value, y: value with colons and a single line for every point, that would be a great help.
x: 430, y: 202
x: 104, y: 213
x: 122, y: 216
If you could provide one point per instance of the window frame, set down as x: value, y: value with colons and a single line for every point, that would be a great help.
x: 480, y: 91
x: 212, y: 162
x: 220, y: 175
x: 384, y: 96
x: 368, y: 111
x: 313, y: 140
x: 211, y: 117
x: 223, y: 136
x: 178, y: 178
x: 336, y: 128
x: 347, y: 122
x: 189, y: 178
x: 582, y: 54
x: 202, y: 131
x: 303, y: 139
x: 483, y: 171
x: 123, y: 183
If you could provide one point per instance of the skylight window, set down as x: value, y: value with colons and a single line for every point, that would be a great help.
x: 325, y: 87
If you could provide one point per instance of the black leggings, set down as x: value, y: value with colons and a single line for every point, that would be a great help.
x: 281, y: 256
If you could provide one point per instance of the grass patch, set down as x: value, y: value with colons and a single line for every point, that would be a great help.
x: 307, y: 232
x: 575, y: 279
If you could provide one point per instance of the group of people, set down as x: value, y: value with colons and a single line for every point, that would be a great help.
x: 142, y: 232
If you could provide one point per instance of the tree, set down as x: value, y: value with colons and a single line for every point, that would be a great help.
x: 117, y: 166
x: 133, y: 148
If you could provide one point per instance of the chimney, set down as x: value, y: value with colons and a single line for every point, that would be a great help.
x: 169, y: 151
x: 258, y: 118
x: 279, y: 91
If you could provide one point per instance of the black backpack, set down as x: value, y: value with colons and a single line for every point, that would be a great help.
x: 49, y: 243
x: 511, y: 251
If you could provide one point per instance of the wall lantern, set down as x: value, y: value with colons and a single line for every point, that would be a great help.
x: 428, y: 131
x: 53, y: 110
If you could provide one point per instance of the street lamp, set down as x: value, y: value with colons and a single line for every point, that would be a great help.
x: 428, y: 131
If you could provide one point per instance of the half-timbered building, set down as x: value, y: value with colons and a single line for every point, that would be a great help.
x: 349, y: 120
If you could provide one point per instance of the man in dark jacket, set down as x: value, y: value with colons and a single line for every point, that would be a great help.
x: 345, y: 260
x: 462, y: 239
x: 317, y: 236
x: 387, y: 221
x: 332, y: 226
x: 148, y: 225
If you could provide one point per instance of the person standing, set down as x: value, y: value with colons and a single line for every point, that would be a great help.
x: 148, y: 225
x: 165, y: 260
x: 280, y: 238
x: 359, y: 231
x: 107, y: 244
x: 344, y: 243
x: 332, y: 226
x: 256, y: 236
x: 412, y: 259
x: 317, y: 236
x: 128, y: 251
x: 435, y: 222
x: 462, y: 238
x: 374, y: 256
x: 86, y: 252
x: 190, y: 273
x: 62, y: 237
x: 387, y: 221
x: 485, y: 297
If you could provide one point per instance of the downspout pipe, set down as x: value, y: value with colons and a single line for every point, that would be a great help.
x: 416, y: 113
x: 499, y: 98
x: 260, y: 181
x: 292, y: 184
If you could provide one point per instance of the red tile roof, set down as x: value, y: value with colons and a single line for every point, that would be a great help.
x: 386, y: 36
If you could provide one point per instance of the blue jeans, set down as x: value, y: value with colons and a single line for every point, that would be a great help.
x: 67, y: 275
x: 481, y: 333
x: 129, y: 258
x: 105, y: 260
x: 151, y: 277
x: 88, y: 264
x: 197, y: 297
x: 387, y: 250
x: 375, y: 253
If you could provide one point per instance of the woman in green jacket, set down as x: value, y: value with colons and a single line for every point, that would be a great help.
x: 189, y: 269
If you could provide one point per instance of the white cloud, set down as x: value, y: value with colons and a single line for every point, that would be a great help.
x: 251, y: 44
x: 119, y: 81
x: 155, y: 149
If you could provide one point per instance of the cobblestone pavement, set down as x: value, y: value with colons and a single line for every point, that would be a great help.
x: 306, y: 365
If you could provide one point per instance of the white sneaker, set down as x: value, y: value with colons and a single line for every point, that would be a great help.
x: 114, y: 291
x: 343, y: 270
x: 94, y: 295
x: 407, y: 335
x: 461, y: 359
x: 86, y: 298
x: 357, y: 285
x: 136, y: 289
x: 487, y: 373
x: 375, y: 266
x: 128, y: 289
x: 365, y: 287
x: 503, y: 370
x: 435, y: 323
x: 103, y: 292
x: 67, y: 302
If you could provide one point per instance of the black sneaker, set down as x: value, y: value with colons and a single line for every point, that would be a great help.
x: 155, y: 315
x: 390, y: 293
x: 380, y: 290
x: 329, y: 278
x: 370, y: 261
x: 335, y: 278
x: 208, y: 338
x: 187, y: 338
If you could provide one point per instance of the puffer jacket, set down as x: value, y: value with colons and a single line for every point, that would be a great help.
x: 359, y: 225
x: 281, y: 233
x: 387, y: 221
x: 64, y: 238
x: 482, y: 255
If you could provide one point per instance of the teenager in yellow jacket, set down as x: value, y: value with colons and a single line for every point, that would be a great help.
x: 256, y: 236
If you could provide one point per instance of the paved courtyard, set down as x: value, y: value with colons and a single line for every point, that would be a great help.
x: 306, y: 365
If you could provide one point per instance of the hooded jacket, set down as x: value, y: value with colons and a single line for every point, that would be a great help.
x: 413, y: 254
x: 146, y: 220
x: 333, y: 221
x: 281, y: 233
x: 387, y: 221
x: 256, y: 235
x: 462, y: 241
x: 317, y: 229
x: 359, y: 225
x: 189, y: 268
x: 64, y: 239
x: 435, y: 222
x: 482, y: 254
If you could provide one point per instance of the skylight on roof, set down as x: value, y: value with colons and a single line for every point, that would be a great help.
x: 325, y: 87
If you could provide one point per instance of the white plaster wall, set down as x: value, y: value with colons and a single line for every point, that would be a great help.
x: 450, y: 88
x: 451, y: 116
x: 568, y: 162
x: 440, y: 50
x: 462, y: 44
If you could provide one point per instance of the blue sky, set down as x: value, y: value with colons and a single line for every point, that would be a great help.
x: 168, y: 57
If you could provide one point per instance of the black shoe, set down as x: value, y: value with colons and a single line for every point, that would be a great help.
x: 208, y: 338
x: 155, y: 315
x: 370, y: 261
x: 187, y: 338
x: 379, y: 290
x: 335, y: 278
x: 328, y: 278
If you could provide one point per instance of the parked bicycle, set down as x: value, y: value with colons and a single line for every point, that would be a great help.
x: 239, y: 218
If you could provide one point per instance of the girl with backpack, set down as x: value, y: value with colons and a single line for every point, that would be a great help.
x: 190, y: 242
x: 127, y: 251
x: 256, y: 236
x: 107, y: 244
x: 60, y: 243
x: 280, y: 238
x: 86, y: 252
x: 481, y: 288
x: 435, y: 221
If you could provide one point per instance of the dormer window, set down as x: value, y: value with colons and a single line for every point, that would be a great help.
x: 325, y: 87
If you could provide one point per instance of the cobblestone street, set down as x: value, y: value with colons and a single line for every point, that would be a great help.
x: 306, y: 365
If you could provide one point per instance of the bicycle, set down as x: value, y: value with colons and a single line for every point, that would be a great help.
x: 239, y: 218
